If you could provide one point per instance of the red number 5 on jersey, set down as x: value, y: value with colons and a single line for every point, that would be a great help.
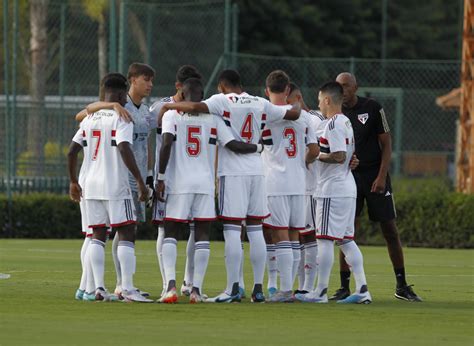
x: 290, y: 134
x: 193, y: 145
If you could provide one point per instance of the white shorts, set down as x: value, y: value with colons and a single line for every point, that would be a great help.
x: 86, y: 231
x: 242, y: 197
x: 190, y: 206
x: 139, y: 207
x: 287, y: 212
x: 101, y: 213
x: 310, y: 215
x: 335, y: 218
x: 158, y: 211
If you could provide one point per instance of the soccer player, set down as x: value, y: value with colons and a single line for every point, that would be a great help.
x: 374, y: 149
x: 336, y: 199
x: 242, y: 193
x: 184, y: 72
x: 284, y: 167
x: 107, y: 140
x: 188, y: 155
x: 307, y: 270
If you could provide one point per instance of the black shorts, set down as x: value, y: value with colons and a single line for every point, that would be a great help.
x: 381, y: 206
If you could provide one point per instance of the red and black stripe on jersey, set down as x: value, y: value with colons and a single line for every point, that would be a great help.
x: 267, y: 137
x: 114, y: 142
x: 213, y: 136
x: 226, y: 117
x: 84, y: 141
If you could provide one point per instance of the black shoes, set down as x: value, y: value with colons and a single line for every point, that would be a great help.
x: 407, y: 293
x: 341, y: 293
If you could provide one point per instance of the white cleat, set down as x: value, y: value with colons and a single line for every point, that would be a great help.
x: 134, y: 296
x: 102, y: 295
x: 312, y: 297
x: 186, y: 289
x: 195, y: 298
x: 224, y: 298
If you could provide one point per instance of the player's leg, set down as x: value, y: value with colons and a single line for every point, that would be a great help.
x: 296, y: 222
x: 300, y: 273
x: 189, y: 267
x: 272, y: 270
x: 242, y: 260
x: 157, y: 219
x: 85, y: 228
x: 118, y: 270
x: 310, y: 261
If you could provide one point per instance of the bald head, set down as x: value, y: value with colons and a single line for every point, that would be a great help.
x: 349, y: 85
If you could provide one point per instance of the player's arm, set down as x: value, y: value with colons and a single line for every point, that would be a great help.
x: 294, y: 112
x: 333, y: 144
x: 385, y: 142
x: 185, y: 106
x: 97, y: 106
x: 165, y: 153
x: 81, y: 115
x: 125, y: 149
x: 244, y: 148
x: 75, y: 191
x: 337, y: 157
x: 312, y: 153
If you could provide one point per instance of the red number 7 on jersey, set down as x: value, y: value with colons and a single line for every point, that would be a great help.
x: 96, y: 134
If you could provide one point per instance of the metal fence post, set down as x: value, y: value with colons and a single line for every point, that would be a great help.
x: 227, y: 28
x: 352, y: 65
x: 398, y: 134
x: 235, y: 34
x: 112, y: 36
x: 12, y: 136
x: 149, y: 33
x: 123, y: 37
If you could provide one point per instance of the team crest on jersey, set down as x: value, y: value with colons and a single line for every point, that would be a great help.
x: 234, y: 99
x: 363, y: 117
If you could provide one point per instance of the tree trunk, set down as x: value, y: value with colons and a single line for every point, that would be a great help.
x: 102, y: 48
x: 39, y: 60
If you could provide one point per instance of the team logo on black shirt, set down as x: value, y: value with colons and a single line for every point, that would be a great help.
x: 363, y: 117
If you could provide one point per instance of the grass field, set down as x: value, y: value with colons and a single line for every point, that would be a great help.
x: 37, y: 304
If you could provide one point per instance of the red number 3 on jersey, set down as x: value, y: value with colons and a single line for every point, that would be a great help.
x: 290, y: 134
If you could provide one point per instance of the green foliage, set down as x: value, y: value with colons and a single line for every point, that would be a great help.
x: 53, y: 154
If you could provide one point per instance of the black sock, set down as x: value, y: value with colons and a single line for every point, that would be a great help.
x: 235, y: 289
x: 257, y: 289
x: 345, y: 279
x: 400, y: 276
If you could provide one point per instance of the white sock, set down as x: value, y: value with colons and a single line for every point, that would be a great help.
x: 258, y: 252
x: 295, y: 247
x: 159, y: 254
x: 241, y: 272
x: 301, y: 268
x: 233, y: 253
x: 272, y: 270
x: 126, y: 256
x: 201, y: 259
x: 118, y: 270
x: 189, y: 268
x: 85, y: 244
x: 310, y: 265
x: 325, y: 262
x: 284, y: 259
x: 90, y: 282
x: 97, y: 259
x: 169, y: 258
x: 356, y: 261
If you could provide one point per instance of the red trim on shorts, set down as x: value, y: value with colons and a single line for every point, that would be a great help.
x: 175, y: 220
x: 89, y: 235
x: 230, y: 218
x: 205, y: 219
x: 129, y: 222
x: 258, y: 217
x: 327, y: 237
x: 157, y: 222
x: 308, y: 232
x: 102, y: 225
x: 297, y: 228
x: 275, y: 228
x: 351, y: 238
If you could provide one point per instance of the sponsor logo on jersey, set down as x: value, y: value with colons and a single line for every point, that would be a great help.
x: 363, y: 117
x: 233, y: 99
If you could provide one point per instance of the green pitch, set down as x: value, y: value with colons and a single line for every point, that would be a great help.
x: 37, y: 303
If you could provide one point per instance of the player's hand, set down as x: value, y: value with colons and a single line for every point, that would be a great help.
x: 122, y: 113
x: 75, y: 192
x: 160, y: 190
x: 378, y: 186
x: 142, y: 191
x: 151, y: 191
x: 354, y: 162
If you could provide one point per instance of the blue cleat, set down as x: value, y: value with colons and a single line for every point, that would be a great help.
x: 357, y: 298
x: 79, y: 294
x: 272, y: 291
x: 89, y: 297
x: 242, y: 293
x: 312, y: 297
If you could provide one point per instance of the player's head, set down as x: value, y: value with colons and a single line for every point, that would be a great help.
x: 330, y: 98
x: 294, y: 94
x: 349, y: 84
x: 277, y: 82
x: 140, y: 76
x: 115, y: 88
x: 185, y: 72
x: 193, y: 90
x: 228, y: 81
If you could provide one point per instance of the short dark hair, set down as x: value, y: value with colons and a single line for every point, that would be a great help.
x: 194, y: 88
x: 334, y: 89
x: 137, y: 69
x: 187, y: 71
x: 294, y: 87
x: 277, y: 81
x: 230, y: 78
x: 114, y: 82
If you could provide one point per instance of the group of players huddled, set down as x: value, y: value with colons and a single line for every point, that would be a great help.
x: 283, y: 171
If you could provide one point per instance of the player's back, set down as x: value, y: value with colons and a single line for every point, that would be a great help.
x: 107, y: 175
x: 284, y: 155
x: 191, y: 165
x: 316, y: 119
x: 336, y: 180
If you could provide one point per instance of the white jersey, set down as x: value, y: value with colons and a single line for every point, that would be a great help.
x: 336, y: 180
x: 78, y: 138
x: 191, y: 165
x: 107, y: 176
x: 284, y: 155
x: 154, y: 111
x: 246, y: 116
x: 316, y: 119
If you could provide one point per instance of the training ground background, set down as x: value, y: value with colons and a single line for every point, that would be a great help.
x: 37, y: 303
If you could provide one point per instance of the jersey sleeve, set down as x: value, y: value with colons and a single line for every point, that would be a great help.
x: 224, y: 135
x: 216, y: 104
x: 124, y: 132
x: 381, y: 123
x: 78, y: 137
x: 273, y: 112
x: 336, y: 137
x: 152, y: 120
x: 168, y: 123
x: 312, y: 123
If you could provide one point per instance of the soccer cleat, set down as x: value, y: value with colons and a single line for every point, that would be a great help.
x: 357, y: 298
x: 134, y: 296
x: 258, y: 297
x: 242, y: 293
x: 282, y: 297
x: 272, y: 291
x: 224, y: 298
x: 407, y: 293
x: 79, y: 294
x: 195, y: 298
x: 103, y: 295
x: 169, y: 297
x: 118, y: 292
x: 89, y: 297
x: 186, y: 289
x: 301, y: 292
x: 312, y: 297
x: 340, y: 294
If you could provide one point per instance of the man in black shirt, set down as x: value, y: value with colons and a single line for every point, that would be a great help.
x: 373, y: 147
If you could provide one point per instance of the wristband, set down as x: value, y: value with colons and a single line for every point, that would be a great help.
x: 259, y: 148
x: 161, y: 176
